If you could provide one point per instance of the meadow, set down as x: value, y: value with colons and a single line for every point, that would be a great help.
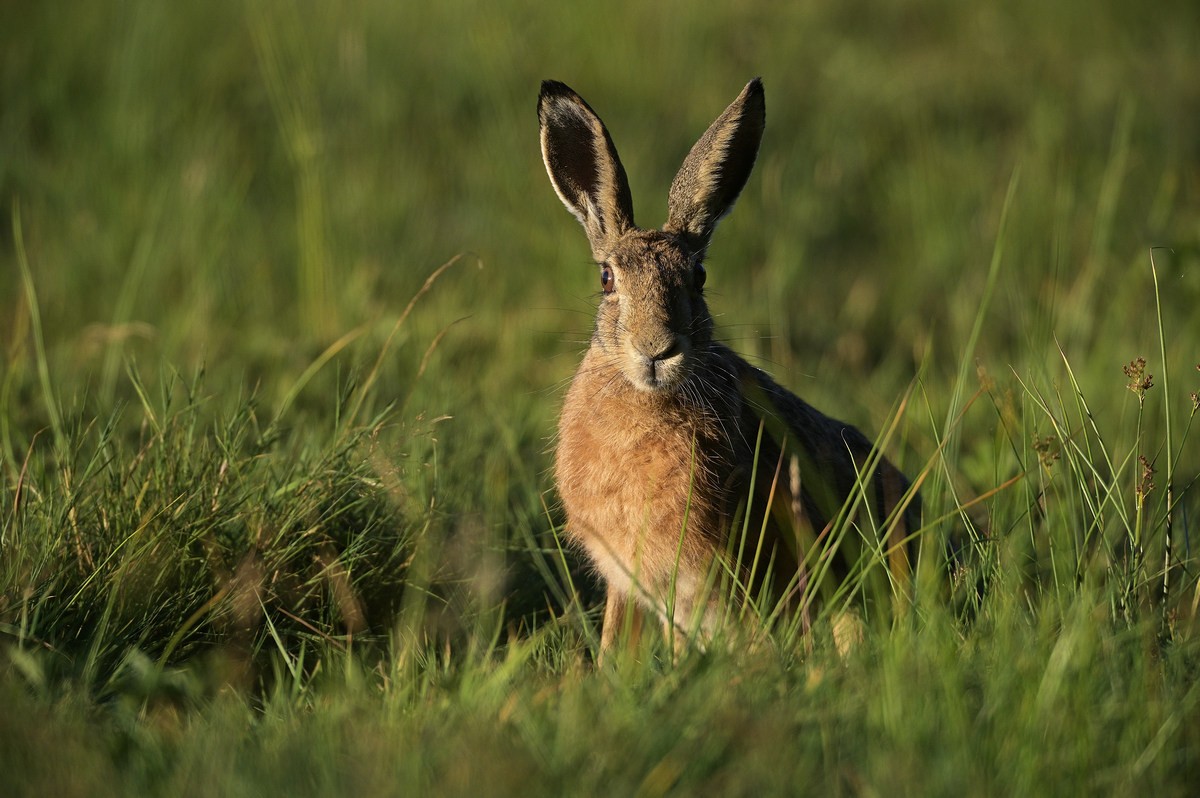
x: 288, y: 306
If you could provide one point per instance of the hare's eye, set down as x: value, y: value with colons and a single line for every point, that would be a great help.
x: 698, y: 276
x: 606, y: 280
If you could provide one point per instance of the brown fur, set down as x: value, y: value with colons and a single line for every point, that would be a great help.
x: 659, y: 429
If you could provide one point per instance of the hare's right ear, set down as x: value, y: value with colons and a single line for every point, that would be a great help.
x: 583, y: 164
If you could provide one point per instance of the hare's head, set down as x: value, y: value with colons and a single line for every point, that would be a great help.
x: 653, y: 317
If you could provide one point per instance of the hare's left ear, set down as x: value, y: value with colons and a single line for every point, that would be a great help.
x: 583, y: 165
x: 717, y: 168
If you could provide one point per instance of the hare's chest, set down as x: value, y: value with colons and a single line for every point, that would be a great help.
x: 638, y: 488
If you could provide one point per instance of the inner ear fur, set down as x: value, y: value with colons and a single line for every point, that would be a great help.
x: 716, y: 170
x: 583, y: 165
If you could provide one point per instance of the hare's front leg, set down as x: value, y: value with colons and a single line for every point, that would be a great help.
x: 623, y: 620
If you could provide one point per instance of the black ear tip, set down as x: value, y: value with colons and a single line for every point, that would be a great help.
x: 754, y: 99
x: 554, y: 88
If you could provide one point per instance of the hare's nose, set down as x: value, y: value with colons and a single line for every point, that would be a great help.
x: 666, y: 350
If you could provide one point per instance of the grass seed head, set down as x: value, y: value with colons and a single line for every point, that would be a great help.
x: 1047, y: 449
x: 1139, y: 380
x: 1146, y: 483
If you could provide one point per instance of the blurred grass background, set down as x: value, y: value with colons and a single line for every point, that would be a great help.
x: 225, y: 208
x: 259, y: 179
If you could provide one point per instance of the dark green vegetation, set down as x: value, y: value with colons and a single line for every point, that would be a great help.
x: 265, y: 528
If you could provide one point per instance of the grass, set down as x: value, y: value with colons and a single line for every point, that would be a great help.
x: 288, y: 307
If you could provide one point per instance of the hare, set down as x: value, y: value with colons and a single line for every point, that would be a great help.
x: 678, y: 463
